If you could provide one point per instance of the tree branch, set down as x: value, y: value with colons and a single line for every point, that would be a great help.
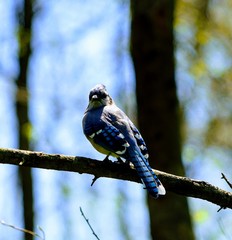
x: 179, y: 185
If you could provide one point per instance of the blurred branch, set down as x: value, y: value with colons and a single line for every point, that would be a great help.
x: 25, y: 230
x: 179, y: 185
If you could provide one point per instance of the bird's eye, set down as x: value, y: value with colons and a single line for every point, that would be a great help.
x: 103, y: 95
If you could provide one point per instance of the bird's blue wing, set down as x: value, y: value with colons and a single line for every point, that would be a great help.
x: 139, y: 140
x: 122, y: 123
x: 137, y: 153
x: 108, y: 137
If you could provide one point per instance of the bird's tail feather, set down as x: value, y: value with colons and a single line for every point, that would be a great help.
x: 148, y: 177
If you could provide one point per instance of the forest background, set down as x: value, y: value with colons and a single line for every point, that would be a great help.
x: 67, y: 48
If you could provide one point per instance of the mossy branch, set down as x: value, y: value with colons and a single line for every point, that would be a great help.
x: 179, y: 185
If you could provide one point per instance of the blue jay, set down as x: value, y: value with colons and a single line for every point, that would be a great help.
x: 111, y: 132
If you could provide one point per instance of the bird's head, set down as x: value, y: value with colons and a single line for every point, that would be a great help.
x: 99, y: 97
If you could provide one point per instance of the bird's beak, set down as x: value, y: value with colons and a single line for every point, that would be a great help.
x: 94, y: 98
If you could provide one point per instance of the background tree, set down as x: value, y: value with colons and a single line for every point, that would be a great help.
x: 152, y: 47
x: 24, y: 28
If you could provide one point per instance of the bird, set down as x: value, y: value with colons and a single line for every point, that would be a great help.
x: 112, y: 133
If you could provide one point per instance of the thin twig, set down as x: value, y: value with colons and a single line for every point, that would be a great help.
x: 221, y: 209
x: 42, y: 231
x: 94, y: 180
x: 89, y: 224
x: 25, y: 230
x: 225, y: 178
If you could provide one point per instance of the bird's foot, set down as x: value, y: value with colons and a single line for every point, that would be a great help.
x: 106, y: 159
x: 127, y: 162
x: 119, y: 161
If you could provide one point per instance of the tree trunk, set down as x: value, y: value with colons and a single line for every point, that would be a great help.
x: 25, y: 176
x: 152, y: 49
